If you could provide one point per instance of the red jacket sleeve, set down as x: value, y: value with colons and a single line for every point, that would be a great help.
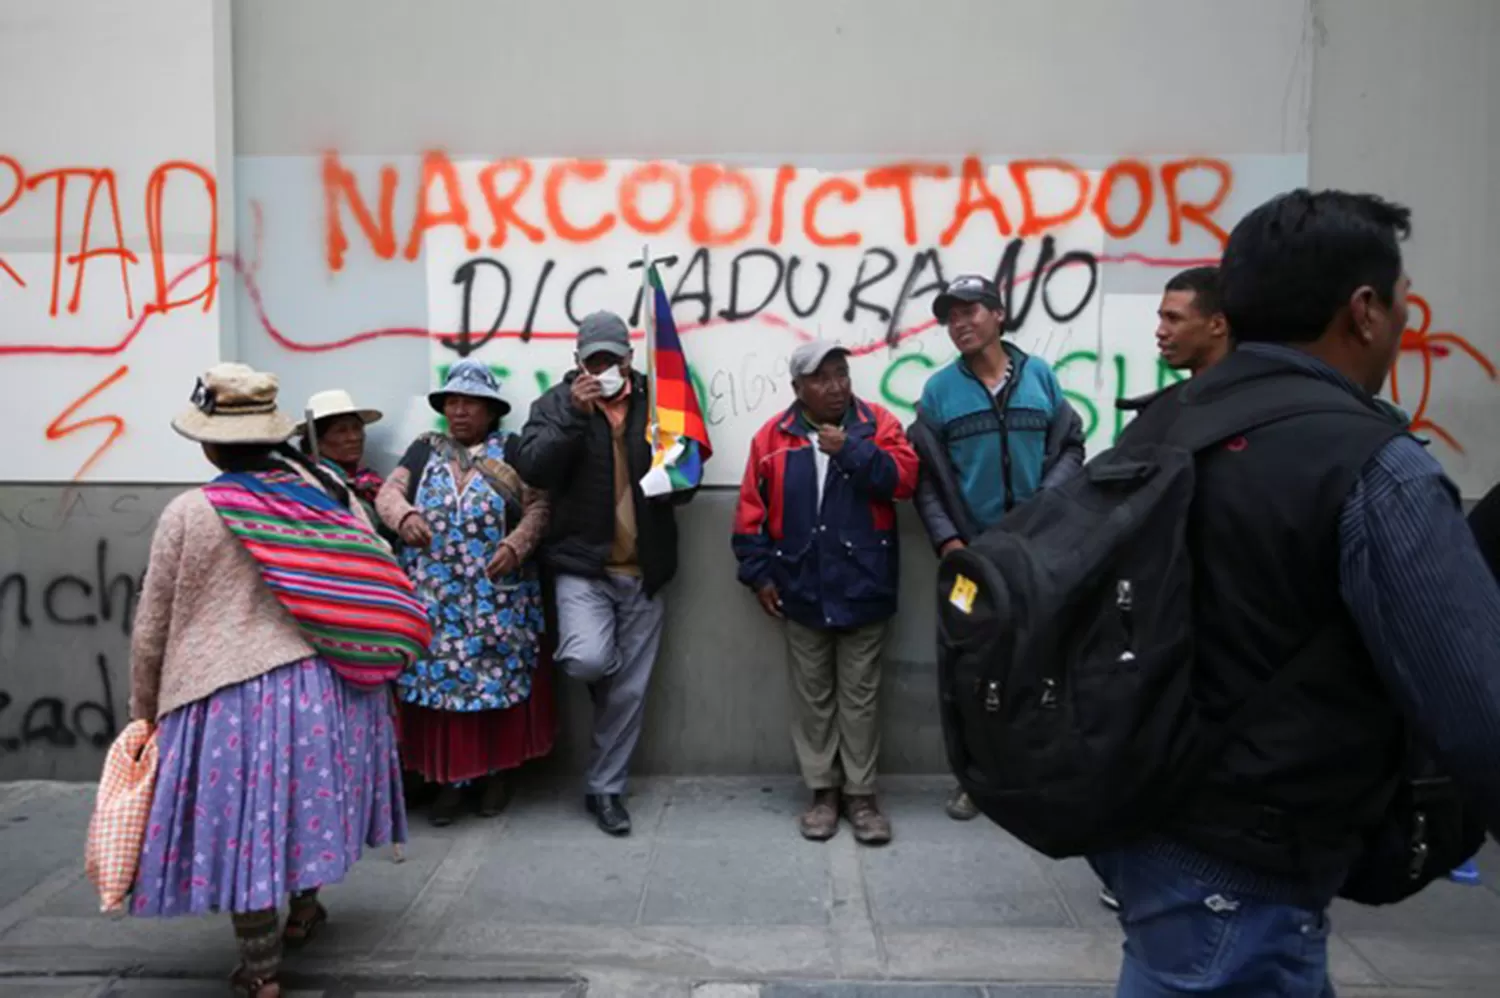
x: 752, y: 538
x: 891, y: 438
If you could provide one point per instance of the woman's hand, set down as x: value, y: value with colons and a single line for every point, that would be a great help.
x: 415, y: 531
x: 503, y: 563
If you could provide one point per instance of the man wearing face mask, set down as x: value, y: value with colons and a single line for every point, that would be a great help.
x: 609, y: 549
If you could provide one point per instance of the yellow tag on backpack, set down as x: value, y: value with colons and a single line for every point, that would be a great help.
x: 963, y: 593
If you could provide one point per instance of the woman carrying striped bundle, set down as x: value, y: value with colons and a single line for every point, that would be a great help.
x: 271, y: 621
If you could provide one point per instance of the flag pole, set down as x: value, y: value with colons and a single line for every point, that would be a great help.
x: 648, y: 313
x: 312, y: 435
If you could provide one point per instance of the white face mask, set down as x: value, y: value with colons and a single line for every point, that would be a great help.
x: 611, y: 381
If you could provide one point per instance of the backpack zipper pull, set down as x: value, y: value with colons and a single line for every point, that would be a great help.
x: 1419, y: 847
x: 1125, y: 603
x: 1049, y: 694
x: 992, y: 696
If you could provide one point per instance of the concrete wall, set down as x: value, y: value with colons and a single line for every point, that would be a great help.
x: 1406, y: 102
x: 1402, y: 98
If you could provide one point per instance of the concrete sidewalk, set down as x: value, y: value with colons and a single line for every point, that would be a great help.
x: 715, y: 896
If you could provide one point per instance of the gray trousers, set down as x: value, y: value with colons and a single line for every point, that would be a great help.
x: 835, y: 680
x: 608, y: 635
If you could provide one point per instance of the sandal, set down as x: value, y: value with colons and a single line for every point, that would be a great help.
x: 302, y: 923
x: 254, y: 987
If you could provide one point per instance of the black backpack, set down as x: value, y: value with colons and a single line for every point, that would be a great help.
x: 1065, y: 635
x: 1429, y: 829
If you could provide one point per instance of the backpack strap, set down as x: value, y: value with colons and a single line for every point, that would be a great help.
x: 415, y: 463
x: 1198, y: 426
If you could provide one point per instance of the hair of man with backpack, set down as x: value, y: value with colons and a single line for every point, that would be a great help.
x: 1257, y: 670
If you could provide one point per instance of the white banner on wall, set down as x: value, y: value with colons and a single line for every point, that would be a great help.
x: 759, y: 260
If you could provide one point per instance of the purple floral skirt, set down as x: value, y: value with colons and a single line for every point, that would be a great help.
x: 266, y: 788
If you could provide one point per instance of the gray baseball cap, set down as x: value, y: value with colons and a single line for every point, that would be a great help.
x: 603, y: 332
x: 807, y: 358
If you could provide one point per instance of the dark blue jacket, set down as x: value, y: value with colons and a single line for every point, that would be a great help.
x: 835, y: 566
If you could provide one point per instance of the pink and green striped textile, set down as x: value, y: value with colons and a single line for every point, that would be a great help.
x: 338, y: 580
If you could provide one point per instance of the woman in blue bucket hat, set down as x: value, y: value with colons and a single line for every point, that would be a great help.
x: 480, y: 703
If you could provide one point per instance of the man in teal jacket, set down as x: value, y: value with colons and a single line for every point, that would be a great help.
x: 992, y: 428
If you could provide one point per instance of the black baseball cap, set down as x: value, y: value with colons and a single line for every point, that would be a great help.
x: 965, y: 287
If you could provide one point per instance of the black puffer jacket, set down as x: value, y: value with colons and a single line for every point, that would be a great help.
x: 571, y: 456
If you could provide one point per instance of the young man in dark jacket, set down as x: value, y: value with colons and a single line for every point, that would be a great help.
x: 1192, y: 333
x: 992, y: 428
x: 609, y: 549
x: 815, y: 535
x: 1334, y: 524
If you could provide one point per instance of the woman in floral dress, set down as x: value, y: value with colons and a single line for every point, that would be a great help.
x: 481, y: 702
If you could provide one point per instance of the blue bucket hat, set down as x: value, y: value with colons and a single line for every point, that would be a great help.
x: 471, y: 378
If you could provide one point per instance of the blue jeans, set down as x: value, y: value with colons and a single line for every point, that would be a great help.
x: 1183, y: 937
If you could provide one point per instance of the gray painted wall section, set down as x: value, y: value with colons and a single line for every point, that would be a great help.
x: 70, y: 566
x: 797, y: 78
x: 72, y: 561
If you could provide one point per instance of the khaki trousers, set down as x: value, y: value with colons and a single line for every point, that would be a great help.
x: 835, y: 681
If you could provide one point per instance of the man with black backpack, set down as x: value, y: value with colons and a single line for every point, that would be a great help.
x: 1243, y: 648
x: 992, y: 428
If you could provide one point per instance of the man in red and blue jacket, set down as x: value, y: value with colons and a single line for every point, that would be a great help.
x: 815, y: 535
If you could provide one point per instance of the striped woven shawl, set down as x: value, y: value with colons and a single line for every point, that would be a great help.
x: 348, y: 595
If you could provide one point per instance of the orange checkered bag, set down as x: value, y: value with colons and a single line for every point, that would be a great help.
x: 121, y: 811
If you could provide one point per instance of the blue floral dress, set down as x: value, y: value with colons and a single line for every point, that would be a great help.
x: 486, y: 635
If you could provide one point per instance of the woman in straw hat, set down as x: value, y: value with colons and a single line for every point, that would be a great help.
x: 478, y: 704
x: 337, y: 438
x: 269, y: 616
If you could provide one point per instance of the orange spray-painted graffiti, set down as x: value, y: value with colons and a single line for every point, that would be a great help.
x: 759, y: 220
x: 61, y: 427
x: 1430, y: 345
x: 1121, y: 197
x: 103, y: 180
x: 104, y: 192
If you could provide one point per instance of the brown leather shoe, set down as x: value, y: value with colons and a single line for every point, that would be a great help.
x: 820, y: 822
x: 871, y: 828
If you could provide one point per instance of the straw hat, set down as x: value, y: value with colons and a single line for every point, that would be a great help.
x: 336, y: 402
x: 234, y: 404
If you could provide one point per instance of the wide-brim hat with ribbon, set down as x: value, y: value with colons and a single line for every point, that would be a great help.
x: 471, y: 378
x: 336, y: 402
x: 235, y: 404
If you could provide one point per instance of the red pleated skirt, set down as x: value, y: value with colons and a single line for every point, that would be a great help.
x: 450, y: 746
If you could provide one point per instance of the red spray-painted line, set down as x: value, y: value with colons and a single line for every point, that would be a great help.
x: 252, y: 290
